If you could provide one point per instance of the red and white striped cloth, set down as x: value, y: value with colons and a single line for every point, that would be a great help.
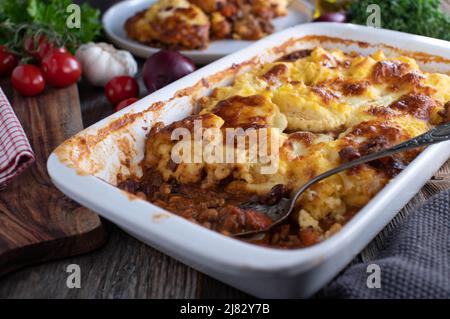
x: 15, y: 150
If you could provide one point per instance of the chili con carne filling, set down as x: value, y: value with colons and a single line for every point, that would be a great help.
x: 218, y: 210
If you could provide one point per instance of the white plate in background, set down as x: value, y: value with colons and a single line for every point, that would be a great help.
x: 114, y: 19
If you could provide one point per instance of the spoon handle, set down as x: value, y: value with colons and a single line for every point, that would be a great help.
x: 438, y: 134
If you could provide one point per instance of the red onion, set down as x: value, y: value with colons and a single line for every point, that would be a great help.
x: 164, y: 67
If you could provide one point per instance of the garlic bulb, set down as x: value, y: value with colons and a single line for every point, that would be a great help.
x: 101, y: 62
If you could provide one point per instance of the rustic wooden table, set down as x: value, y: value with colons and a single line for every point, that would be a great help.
x: 126, y: 268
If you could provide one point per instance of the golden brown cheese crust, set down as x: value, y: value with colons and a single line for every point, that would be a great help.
x: 174, y: 24
x: 209, y: 6
x: 417, y: 105
x: 331, y: 107
x: 253, y: 111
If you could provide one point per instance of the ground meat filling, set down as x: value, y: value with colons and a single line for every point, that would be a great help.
x: 219, y: 210
x: 215, y: 209
x: 445, y: 113
x: 300, y: 54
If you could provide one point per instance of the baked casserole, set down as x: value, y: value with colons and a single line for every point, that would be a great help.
x: 191, y: 24
x: 171, y: 23
x: 322, y: 107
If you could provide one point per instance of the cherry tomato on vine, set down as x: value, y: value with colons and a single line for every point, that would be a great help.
x: 28, y: 79
x: 36, y: 47
x: 51, y: 49
x: 8, y: 61
x: 60, y: 69
x: 125, y: 103
x: 40, y: 48
x: 121, y: 88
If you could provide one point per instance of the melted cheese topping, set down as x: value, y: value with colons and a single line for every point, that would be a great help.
x: 170, y: 24
x: 326, y: 107
x: 164, y: 9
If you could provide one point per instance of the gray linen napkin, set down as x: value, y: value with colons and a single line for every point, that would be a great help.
x: 414, y: 262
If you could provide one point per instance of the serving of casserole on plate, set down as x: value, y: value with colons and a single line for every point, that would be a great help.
x: 190, y: 24
x: 328, y: 96
x: 203, y: 30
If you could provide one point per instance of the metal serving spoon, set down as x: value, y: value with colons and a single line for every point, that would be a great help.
x: 281, y: 210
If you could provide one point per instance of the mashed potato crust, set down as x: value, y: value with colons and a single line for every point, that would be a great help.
x: 326, y: 107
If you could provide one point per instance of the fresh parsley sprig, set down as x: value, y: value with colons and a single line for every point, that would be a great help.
x: 423, y: 17
x: 21, y: 19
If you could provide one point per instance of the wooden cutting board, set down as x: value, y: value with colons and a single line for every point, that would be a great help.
x: 37, y: 222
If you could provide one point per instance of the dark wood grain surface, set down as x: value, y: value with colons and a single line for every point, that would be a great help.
x: 37, y: 222
x: 126, y: 268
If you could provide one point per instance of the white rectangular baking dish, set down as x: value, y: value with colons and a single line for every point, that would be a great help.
x: 85, y: 168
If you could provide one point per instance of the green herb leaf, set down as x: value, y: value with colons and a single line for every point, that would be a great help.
x: 24, y: 18
x: 423, y: 17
